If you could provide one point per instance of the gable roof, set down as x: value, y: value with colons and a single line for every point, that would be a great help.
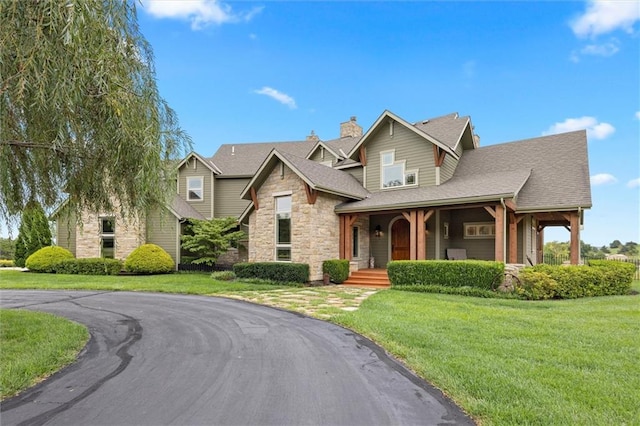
x: 244, y: 159
x: 457, y: 190
x: 317, y: 176
x: 559, y: 169
x: 183, y: 210
x: 206, y: 161
x: 417, y: 130
x: 448, y: 129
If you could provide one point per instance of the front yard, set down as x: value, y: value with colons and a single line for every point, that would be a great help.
x: 504, y: 361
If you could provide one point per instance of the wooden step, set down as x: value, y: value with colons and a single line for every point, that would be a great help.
x: 376, y: 278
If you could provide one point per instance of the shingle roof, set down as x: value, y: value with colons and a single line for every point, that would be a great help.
x: 183, y: 210
x: 244, y: 159
x: 345, y: 144
x: 324, y: 178
x: 559, y: 163
x: 446, y: 129
x: 458, y: 190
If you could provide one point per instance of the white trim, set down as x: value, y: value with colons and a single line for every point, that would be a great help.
x: 395, y: 163
x: 437, y: 175
x: 201, y: 179
x: 477, y: 226
x: 281, y: 193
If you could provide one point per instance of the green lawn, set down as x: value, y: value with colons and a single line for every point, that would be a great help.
x: 35, y: 345
x: 509, y: 362
x: 506, y: 362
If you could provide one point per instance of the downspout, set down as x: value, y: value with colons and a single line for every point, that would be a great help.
x: 504, y: 230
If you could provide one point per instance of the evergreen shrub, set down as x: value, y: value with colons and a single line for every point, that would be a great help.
x: 447, y: 273
x: 47, y: 259
x: 338, y: 270
x: 149, y: 259
x: 273, y: 271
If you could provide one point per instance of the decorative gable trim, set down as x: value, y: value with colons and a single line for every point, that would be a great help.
x: 208, y: 164
x: 388, y: 114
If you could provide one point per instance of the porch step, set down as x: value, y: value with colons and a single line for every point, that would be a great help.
x: 376, y: 278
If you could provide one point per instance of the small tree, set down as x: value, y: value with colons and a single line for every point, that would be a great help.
x: 615, y: 244
x: 33, y: 234
x: 208, y: 239
x: 7, y: 248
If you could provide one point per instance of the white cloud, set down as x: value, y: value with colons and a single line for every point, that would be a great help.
x: 283, y: 98
x: 637, y: 115
x: 603, y: 179
x: 635, y: 183
x: 603, y: 49
x: 200, y: 13
x: 604, y: 16
x: 594, y: 129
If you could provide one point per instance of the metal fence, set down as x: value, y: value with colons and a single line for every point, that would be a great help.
x: 191, y: 267
x: 551, y: 259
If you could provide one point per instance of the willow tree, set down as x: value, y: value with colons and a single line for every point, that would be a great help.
x: 81, y: 117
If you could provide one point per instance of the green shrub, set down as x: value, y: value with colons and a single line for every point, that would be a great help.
x: 47, y: 259
x: 223, y: 275
x: 90, y: 266
x: 338, y: 270
x: 273, y: 271
x: 575, y: 281
x: 618, y: 275
x: 459, y: 273
x: 536, y: 285
x: 5, y: 263
x: 149, y: 259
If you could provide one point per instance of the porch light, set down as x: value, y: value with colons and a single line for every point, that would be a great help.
x: 378, y: 232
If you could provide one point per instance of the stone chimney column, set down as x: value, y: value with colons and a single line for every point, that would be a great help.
x: 350, y: 129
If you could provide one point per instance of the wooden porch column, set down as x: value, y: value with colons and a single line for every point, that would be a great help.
x: 514, y: 220
x: 499, y: 243
x: 413, y: 232
x: 346, y: 235
x: 342, y: 236
x: 540, y: 244
x: 422, y: 236
x: 574, y: 248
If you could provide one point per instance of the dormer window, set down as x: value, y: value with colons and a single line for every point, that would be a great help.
x: 393, y: 173
x: 195, y: 188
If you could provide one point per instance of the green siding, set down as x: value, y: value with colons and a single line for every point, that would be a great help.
x: 379, y: 246
x: 66, y: 232
x: 449, y: 165
x: 227, y: 197
x: 482, y: 249
x: 408, y: 146
x: 204, y: 207
x: 356, y: 172
x: 161, y: 230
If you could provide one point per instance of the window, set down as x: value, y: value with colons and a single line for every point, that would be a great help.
x: 480, y: 230
x: 356, y: 242
x: 107, y: 237
x: 195, y: 188
x: 393, y: 172
x: 283, y: 229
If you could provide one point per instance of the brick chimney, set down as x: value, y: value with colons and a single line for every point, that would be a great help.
x: 350, y: 129
x: 313, y: 137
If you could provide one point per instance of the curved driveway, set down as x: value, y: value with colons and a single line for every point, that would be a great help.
x: 157, y: 359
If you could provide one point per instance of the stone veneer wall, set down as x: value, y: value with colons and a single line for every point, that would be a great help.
x: 129, y: 235
x: 363, y: 239
x: 315, y: 227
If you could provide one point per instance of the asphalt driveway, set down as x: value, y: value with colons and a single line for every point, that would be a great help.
x: 157, y: 359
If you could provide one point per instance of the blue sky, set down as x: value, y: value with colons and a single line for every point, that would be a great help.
x: 273, y: 71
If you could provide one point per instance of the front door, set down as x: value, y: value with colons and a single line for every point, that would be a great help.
x: 400, y: 240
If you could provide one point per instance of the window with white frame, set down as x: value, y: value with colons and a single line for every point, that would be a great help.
x: 479, y: 230
x: 393, y: 173
x: 283, y: 229
x: 195, y: 188
x: 107, y: 237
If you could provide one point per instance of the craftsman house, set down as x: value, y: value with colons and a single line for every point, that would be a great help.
x: 402, y: 190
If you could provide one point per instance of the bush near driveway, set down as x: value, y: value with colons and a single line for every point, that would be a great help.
x: 47, y: 259
x: 273, y: 271
x: 447, y: 273
x: 149, y: 259
x: 90, y: 266
x: 338, y: 270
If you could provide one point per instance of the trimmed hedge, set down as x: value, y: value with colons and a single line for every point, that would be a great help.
x: 603, y: 278
x: 273, y: 271
x: 149, y: 259
x: 461, y: 291
x: 338, y: 270
x: 47, y: 259
x: 6, y: 263
x: 447, y: 273
x: 537, y: 285
x: 90, y: 266
x: 223, y: 275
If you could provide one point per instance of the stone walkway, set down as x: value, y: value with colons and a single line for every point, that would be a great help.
x: 318, y: 302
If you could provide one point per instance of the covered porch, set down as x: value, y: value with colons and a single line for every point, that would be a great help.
x: 483, y: 231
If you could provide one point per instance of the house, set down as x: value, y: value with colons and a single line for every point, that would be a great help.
x: 400, y: 190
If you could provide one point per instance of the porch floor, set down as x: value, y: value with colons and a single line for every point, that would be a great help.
x: 369, y: 278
